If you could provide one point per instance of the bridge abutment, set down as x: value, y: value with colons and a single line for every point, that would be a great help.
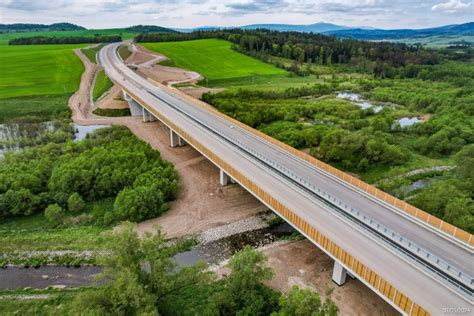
x: 339, y: 274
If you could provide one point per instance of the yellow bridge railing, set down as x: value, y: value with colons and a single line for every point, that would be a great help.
x: 364, y: 273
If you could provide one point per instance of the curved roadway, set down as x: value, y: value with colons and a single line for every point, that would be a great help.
x: 431, y: 293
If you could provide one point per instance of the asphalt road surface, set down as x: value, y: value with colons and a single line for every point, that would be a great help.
x: 408, y: 277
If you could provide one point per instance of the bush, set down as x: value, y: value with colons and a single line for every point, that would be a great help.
x: 75, y: 203
x: 18, y: 202
x: 139, y: 203
x: 54, y: 214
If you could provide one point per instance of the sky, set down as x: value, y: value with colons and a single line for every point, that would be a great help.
x: 387, y: 14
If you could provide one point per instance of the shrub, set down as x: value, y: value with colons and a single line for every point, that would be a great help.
x: 54, y: 214
x: 139, y: 203
x: 75, y: 203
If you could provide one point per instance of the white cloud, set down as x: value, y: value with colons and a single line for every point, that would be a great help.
x: 452, y: 6
x: 192, y: 13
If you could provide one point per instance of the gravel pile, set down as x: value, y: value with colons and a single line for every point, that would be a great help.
x: 241, y: 226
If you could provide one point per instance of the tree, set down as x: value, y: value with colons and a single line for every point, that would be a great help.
x: 244, y: 292
x: 465, y: 166
x: 75, y: 203
x: 141, y: 275
x: 304, y: 302
x: 18, y: 202
x: 139, y: 203
x: 54, y: 214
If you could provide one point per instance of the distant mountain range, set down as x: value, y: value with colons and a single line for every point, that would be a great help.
x: 363, y: 33
x: 377, y: 34
x: 315, y: 28
x: 367, y: 33
x: 320, y: 27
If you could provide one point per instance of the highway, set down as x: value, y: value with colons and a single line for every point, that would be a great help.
x: 310, y: 192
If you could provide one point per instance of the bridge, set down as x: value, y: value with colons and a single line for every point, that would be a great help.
x: 413, y: 260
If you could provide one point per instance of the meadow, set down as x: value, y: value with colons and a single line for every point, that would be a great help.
x: 102, y: 84
x: 37, y: 80
x: 214, y: 59
x: 39, y: 70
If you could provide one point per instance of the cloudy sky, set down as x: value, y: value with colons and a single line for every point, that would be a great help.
x: 191, y: 13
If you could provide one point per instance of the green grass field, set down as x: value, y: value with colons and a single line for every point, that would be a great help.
x: 214, y: 59
x: 102, y: 84
x: 39, y: 70
x: 91, y: 53
x: 4, y: 38
x: 37, y: 80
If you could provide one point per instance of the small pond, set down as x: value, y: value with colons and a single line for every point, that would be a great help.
x: 15, y: 136
x: 359, y: 101
x: 408, y: 121
x: 81, y: 131
x: 222, y: 249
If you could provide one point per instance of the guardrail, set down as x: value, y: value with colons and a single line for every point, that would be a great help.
x: 364, y: 273
x: 441, y: 268
x: 448, y: 271
x: 438, y: 224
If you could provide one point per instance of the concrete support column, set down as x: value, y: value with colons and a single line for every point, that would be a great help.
x: 224, y: 178
x: 339, y: 274
x: 147, y: 116
x: 175, y: 140
x: 135, y: 108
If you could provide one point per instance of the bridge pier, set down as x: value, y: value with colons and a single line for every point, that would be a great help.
x: 224, y: 178
x: 135, y: 108
x: 176, y: 140
x: 147, y: 116
x: 339, y: 274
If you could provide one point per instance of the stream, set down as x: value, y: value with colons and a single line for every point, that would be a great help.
x: 212, y: 253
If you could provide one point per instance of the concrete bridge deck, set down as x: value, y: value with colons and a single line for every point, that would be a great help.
x: 367, y: 236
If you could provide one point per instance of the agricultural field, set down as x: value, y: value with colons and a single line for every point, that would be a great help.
x: 37, y: 80
x: 215, y: 60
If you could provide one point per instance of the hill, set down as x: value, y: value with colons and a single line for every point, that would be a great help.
x: 378, y: 34
x: 320, y: 27
x: 149, y: 29
x: 26, y: 27
x: 215, y: 59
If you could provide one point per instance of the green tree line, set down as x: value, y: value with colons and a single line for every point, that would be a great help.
x: 42, y: 40
x: 385, y: 58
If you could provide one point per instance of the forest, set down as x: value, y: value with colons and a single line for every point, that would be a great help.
x: 385, y: 58
x: 62, y: 178
x: 41, y: 40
